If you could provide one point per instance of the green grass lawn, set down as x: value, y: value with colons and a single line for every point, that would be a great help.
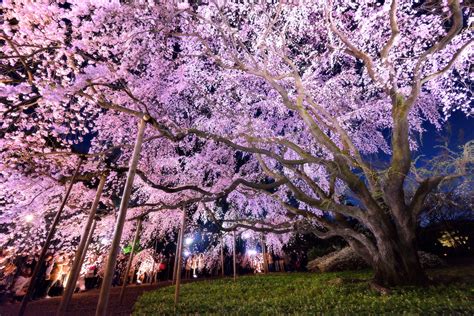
x: 309, y: 293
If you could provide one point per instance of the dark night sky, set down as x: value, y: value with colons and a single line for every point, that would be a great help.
x: 459, y: 130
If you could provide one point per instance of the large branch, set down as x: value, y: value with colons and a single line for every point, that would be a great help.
x: 456, y: 27
x: 154, y: 207
x: 426, y: 187
x: 448, y: 65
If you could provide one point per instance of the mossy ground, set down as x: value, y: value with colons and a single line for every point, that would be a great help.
x: 311, y: 293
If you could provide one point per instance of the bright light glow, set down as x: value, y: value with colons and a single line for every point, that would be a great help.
x: 188, y: 241
x: 251, y: 252
x: 186, y: 253
x: 246, y: 235
x: 29, y: 218
x: 104, y: 241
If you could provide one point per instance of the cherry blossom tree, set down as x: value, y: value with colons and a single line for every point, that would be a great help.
x: 274, y: 109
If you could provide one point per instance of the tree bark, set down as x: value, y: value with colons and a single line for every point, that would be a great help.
x: 395, y: 262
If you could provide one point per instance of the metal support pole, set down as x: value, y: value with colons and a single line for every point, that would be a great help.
x: 176, y: 263
x: 173, y: 280
x: 178, y: 271
x: 234, y: 254
x: 264, y: 254
x: 222, y: 257
x: 47, y: 243
x: 81, y: 249
x: 130, y: 259
x: 89, y: 239
x: 114, y: 248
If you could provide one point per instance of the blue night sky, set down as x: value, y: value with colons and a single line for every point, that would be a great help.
x: 462, y: 131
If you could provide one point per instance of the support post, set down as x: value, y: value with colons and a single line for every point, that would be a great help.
x: 180, y: 251
x: 89, y: 239
x: 264, y: 254
x: 130, y: 259
x: 47, y: 243
x: 222, y: 257
x: 153, y: 272
x: 81, y: 249
x: 234, y: 254
x: 122, y: 214
x: 178, y: 246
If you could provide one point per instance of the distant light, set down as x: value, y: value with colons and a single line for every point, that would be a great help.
x: 195, y: 276
x: 188, y: 241
x: 29, y: 218
x: 251, y: 252
x: 246, y: 235
x: 186, y: 253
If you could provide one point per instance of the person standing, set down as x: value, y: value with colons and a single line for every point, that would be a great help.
x: 53, y: 271
x: 194, y: 265
x: 270, y: 262
x: 201, y: 262
x: 44, y: 277
x: 188, y: 266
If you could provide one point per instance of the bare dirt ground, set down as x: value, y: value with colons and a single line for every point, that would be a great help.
x: 84, y: 304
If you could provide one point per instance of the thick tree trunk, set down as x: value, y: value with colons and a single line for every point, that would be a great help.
x: 392, y: 272
x: 401, y: 267
x: 392, y: 251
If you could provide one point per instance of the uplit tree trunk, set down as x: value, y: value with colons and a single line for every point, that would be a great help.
x: 396, y: 263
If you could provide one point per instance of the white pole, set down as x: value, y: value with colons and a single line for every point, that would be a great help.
x: 264, y: 254
x: 114, y: 248
x: 76, y: 265
x: 222, y: 257
x: 47, y: 243
x: 130, y: 259
x: 180, y: 251
x: 234, y: 254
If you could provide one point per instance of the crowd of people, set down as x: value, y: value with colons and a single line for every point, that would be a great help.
x: 275, y: 263
x: 16, y: 272
x: 148, y: 267
x: 195, y: 263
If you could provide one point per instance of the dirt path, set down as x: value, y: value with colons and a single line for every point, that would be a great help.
x: 84, y: 304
